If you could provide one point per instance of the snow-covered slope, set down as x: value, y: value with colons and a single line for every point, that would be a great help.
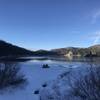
x: 60, y: 89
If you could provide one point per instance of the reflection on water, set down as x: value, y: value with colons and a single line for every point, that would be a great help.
x: 10, y: 75
x: 71, y: 59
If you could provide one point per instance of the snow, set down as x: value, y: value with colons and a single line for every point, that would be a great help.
x: 61, y: 87
x: 36, y: 76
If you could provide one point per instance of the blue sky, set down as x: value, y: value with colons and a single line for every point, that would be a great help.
x: 47, y: 24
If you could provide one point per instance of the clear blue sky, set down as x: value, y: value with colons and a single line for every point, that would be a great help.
x: 47, y: 24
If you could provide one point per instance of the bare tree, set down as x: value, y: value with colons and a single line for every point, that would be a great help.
x: 88, y: 86
x: 9, y: 74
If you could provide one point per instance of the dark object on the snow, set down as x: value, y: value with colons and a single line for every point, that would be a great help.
x: 44, y: 85
x: 36, y: 92
x: 45, y: 66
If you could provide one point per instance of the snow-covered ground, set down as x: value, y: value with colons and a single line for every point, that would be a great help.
x: 60, y: 88
x: 36, y: 76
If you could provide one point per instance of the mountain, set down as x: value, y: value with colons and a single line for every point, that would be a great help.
x: 95, y: 50
x: 45, y: 53
x: 7, y: 49
x: 74, y: 51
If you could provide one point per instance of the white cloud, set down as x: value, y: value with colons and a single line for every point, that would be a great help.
x: 95, y: 16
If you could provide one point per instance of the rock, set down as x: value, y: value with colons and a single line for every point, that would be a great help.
x: 36, y: 92
x: 45, y: 66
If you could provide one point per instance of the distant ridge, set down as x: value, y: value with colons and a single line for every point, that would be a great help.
x: 7, y: 49
x: 95, y: 46
x: 76, y: 51
x: 10, y: 50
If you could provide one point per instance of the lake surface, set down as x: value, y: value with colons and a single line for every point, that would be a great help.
x: 35, y: 76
